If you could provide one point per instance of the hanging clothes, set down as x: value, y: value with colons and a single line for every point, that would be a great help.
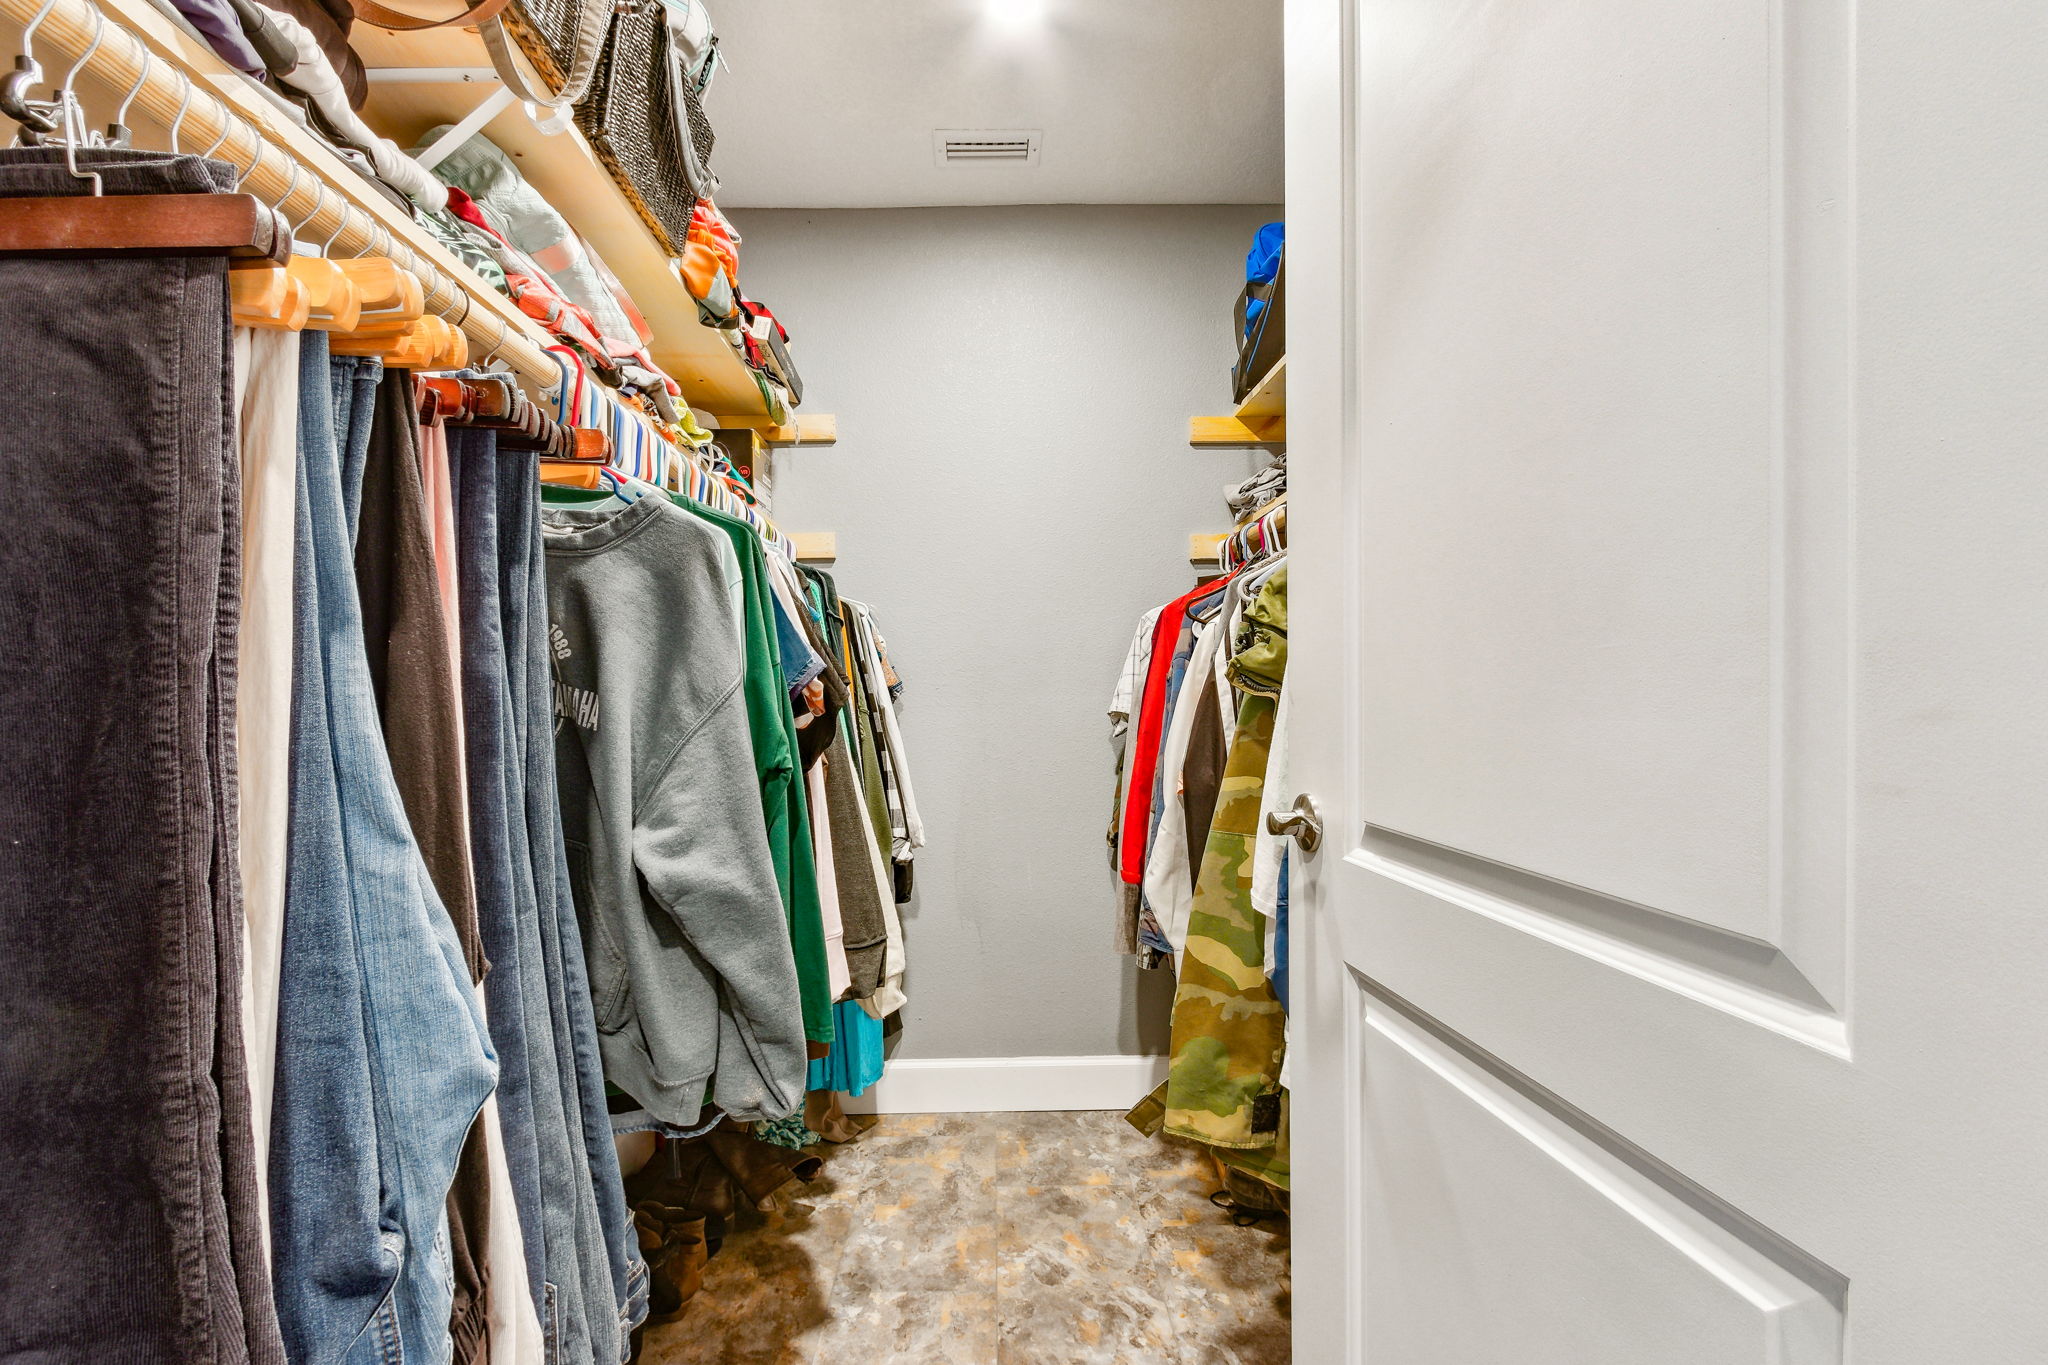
x: 374, y: 981
x: 1124, y: 699
x: 1190, y: 770
x: 560, y: 1163
x: 863, y: 772
x: 863, y: 923
x: 562, y: 1011
x: 412, y: 677
x: 906, y: 826
x: 266, y: 365
x: 839, y: 976
x: 373, y: 1118
x: 698, y: 984
x: 1213, y: 889
x: 1270, y: 855
x: 123, y: 933
x: 771, y: 734
x: 1222, y: 1085
x: 772, y: 729
x: 1136, y: 823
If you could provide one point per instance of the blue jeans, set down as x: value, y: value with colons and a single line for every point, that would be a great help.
x: 607, y: 1247
x: 583, y: 1260
x: 473, y: 476
x: 383, y: 1061
x: 355, y: 405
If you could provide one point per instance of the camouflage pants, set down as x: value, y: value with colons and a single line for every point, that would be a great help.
x: 1229, y: 1032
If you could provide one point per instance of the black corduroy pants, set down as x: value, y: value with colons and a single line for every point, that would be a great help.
x: 127, y: 1179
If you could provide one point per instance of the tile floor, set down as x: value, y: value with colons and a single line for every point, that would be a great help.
x: 993, y: 1239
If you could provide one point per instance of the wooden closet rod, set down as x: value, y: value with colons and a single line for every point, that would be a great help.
x: 322, y: 196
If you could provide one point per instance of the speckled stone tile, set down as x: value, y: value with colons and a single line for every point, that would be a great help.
x: 993, y: 1239
x: 1227, y: 1287
x: 1079, y: 1279
x: 1079, y: 1149
x: 880, y: 1320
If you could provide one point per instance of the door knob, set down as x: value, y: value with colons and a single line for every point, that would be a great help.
x: 1303, y: 823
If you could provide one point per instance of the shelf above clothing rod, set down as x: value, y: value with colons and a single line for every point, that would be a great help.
x: 1260, y: 420
x: 815, y: 547
x: 426, y: 79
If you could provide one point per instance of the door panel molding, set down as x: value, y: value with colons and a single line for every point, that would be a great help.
x: 1789, y: 1303
x: 1772, y: 950
x: 1738, y: 975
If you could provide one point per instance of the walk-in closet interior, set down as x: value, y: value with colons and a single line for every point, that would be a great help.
x: 1022, y: 682
x: 567, y: 562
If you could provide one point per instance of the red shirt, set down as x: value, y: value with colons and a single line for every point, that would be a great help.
x: 1151, y: 726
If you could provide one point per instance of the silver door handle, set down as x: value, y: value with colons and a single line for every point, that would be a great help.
x: 1303, y: 823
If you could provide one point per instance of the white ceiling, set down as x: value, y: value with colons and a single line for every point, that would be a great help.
x: 832, y: 103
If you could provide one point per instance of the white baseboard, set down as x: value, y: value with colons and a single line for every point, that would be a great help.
x: 981, y: 1085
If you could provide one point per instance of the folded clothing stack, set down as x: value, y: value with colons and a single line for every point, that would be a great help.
x: 299, y: 50
x: 1261, y: 488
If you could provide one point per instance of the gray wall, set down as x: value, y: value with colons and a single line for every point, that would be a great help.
x: 1012, y: 486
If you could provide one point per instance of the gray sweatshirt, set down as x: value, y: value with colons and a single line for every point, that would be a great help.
x: 691, y: 971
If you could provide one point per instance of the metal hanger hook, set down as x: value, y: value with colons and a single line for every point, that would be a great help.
x: 36, y: 117
x: 74, y: 113
x: 319, y: 203
x: 291, y: 188
x: 341, y: 222
x: 178, y: 119
x: 227, y: 130
x: 118, y: 132
x: 254, y: 161
x: 503, y: 329
x: 28, y: 37
x: 66, y: 93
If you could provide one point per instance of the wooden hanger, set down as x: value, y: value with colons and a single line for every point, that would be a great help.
x: 279, y: 296
x: 581, y: 465
x: 269, y: 297
x: 334, y: 304
x: 572, y: 456
x: 562, y: 474
x: 392, y: 322
x: 238, y: 226
x: 421, y: 344
x: 387, y: 290
x: 391, y: 299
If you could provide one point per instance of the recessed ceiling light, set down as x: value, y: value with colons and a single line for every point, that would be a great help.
x: 1016, y: 15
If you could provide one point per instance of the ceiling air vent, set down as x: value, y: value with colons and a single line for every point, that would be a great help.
x: 1009, y: 146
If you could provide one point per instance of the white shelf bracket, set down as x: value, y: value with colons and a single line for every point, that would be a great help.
x: 434, y: 153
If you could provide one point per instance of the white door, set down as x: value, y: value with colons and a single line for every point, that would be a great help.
x: 1670, y: 645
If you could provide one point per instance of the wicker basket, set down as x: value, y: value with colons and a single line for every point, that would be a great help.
x: 637, y: 115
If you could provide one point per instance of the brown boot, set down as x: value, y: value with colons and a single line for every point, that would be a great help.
x: 688, y: 1252
x: 672, y: 1243
x: 761, y: 1168
x: 685, y: 1175
x: 823, y: 1116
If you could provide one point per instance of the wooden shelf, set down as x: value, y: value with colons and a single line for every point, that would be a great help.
x: 567, y: 173
x: 1203, y: 545
x: 816, y: 547
x: 810, y: 429
x: 1267, y: 402
x: 1261, y: 420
